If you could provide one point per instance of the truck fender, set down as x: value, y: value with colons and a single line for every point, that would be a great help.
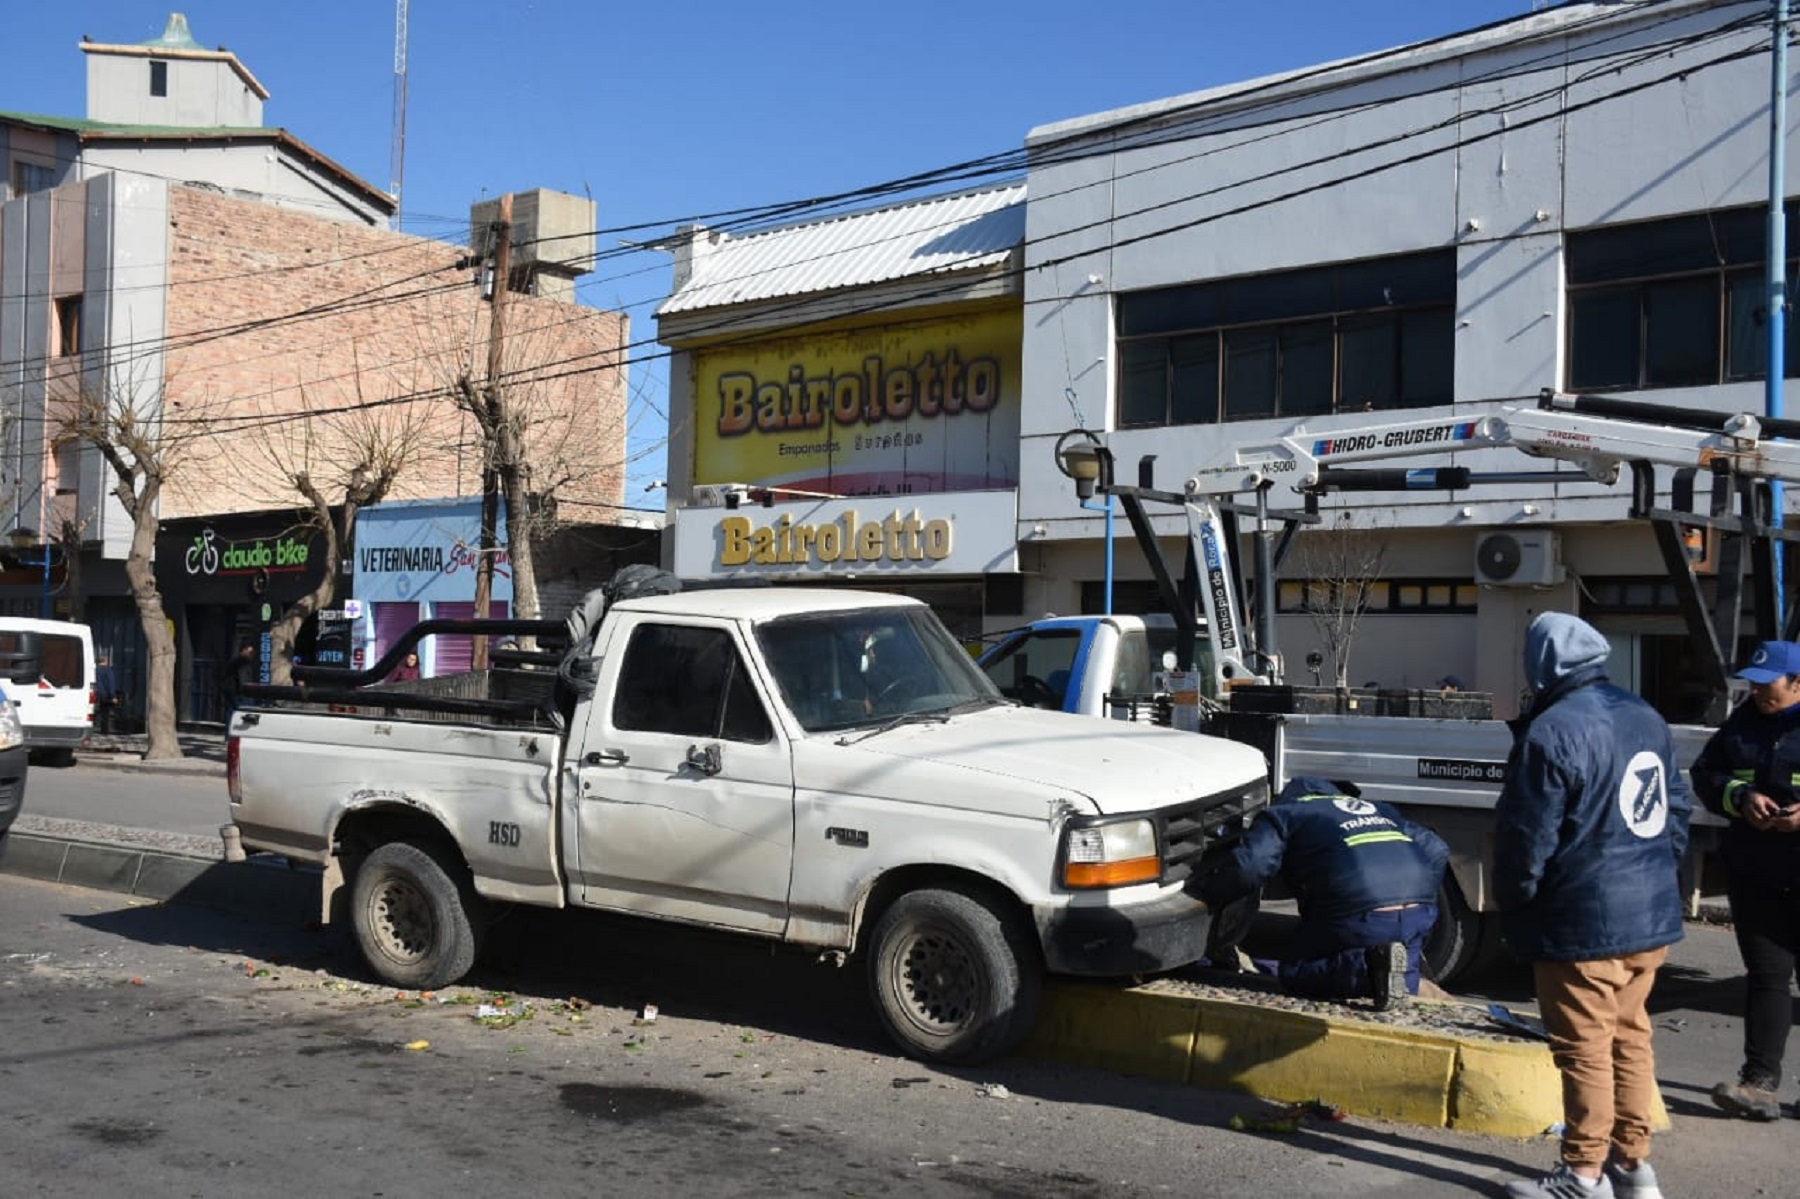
x: 879, y: 890
x: 403, y: 816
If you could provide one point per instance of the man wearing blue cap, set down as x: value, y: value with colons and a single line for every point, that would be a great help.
x: 1589, y: 831
x: 1366, y: 880
x: 1746, y: 774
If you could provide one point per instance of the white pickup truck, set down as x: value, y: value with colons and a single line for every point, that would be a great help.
x: 823, y: 768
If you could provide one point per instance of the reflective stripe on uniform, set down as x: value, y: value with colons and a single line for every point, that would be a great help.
x: 1740, y: 781
x: 1389, y: 834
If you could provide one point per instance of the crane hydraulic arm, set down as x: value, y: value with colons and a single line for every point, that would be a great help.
x: 1738, y: 454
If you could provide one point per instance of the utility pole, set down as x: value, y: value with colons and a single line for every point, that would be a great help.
x: 500, y: 257
x: 1773, y: 405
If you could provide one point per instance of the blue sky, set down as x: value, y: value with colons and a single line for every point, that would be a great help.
x: 663, y: 112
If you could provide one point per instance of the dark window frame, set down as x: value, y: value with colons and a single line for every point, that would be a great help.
x: 68, y: 326
x: 159, y: 77
x: 1723, y: 248
x: 1398, y: 596
x: 1280, y: 321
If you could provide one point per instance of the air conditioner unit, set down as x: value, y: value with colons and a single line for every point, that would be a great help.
x: 1518, y: 558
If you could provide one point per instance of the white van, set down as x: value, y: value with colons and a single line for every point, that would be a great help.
x: 47, y: 670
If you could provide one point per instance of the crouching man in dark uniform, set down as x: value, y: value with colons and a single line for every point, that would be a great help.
x: 1366, y: 879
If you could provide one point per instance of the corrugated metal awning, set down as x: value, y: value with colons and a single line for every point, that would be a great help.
x: 945, y: 233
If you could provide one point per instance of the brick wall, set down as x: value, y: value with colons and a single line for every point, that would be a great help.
x: 290, y: 335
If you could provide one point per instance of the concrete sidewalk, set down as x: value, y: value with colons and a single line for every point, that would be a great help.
x: 203, y: 753
x: 1359, y: 1061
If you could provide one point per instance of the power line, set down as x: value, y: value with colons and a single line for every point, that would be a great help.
x: 728, y: 323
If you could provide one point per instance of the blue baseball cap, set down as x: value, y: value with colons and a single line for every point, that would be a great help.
x: 1771, y: 661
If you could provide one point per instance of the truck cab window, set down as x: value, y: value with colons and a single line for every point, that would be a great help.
x: 1036, y: 668
x: 688, y: 682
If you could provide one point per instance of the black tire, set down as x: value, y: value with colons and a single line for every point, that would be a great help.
x: 417, y: 918
x: 954, y: 977
x: 1459, y: 944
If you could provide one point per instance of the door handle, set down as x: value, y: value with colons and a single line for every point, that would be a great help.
x: 600, y: 757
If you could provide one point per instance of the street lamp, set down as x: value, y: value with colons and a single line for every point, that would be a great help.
x: 23, y: 538
x: 1085, y: 458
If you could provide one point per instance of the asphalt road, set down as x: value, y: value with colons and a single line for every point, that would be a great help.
x: 168, y: 1051
x: 763, y: 1074
x: 139, y: 798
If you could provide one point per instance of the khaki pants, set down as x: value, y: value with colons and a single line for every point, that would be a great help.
x: 1595, y: 1013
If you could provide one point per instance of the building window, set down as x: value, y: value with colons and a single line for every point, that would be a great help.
x: 159, y: 78
x: 1674, y: 303
x: 68, y: 326
x: 28, y: 177
x: 1408, y: 596
x: 1354, y: 337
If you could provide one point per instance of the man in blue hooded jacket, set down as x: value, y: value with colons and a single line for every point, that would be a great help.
x: 1590, y: 828
x: 1366, y: 880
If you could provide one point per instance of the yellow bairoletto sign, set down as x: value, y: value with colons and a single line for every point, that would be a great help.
x: 898, y: 537
x: 927, y: 406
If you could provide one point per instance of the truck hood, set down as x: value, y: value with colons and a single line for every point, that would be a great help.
x: 1007, y: 753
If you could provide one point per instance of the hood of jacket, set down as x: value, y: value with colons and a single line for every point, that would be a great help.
x: 1558, y: 646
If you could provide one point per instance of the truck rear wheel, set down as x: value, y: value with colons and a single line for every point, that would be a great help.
x: 416, y: 915
x: 1463, y: 943
x: 953, y: 976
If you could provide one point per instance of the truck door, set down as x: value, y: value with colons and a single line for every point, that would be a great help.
x: 685, y: 795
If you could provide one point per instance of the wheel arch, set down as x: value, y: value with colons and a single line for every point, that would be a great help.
x: 362, y: 829
x: 890, y: 885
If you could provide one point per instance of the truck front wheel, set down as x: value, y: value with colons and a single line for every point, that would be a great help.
x: 416, y: 916
x: 954, y: 977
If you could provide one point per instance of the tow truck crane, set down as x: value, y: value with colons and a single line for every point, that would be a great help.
x: 1448, y: 770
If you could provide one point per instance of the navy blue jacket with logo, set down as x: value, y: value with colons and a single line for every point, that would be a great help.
x: 1339, y: 855
x: 1590, y: 827
x: 1753, y: 750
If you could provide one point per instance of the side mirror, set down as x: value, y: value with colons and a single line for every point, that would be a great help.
x: 705, y: 758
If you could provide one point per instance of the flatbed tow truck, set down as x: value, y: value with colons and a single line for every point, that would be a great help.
x: 1440, y: 755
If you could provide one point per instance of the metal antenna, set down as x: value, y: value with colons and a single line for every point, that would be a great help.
x: 397, y: 162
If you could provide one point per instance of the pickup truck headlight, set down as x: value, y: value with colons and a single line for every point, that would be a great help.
x: 1111, y: 855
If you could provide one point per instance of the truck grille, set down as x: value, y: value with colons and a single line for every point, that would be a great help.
x: 1189, y: 830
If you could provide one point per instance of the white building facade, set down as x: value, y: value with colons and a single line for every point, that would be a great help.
x: 1571, y: 200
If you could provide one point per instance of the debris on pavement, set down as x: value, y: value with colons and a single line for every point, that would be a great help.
x: 1505, y: 1017
x: 993, y: 1090
x: 1289, y: 1119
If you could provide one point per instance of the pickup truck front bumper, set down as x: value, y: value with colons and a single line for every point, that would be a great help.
x: 1142, y: 939
x: 13, y: 770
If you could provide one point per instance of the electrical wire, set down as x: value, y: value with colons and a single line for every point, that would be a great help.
x: 634, y: 359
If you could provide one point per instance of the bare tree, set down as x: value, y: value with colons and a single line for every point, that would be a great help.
x: 339, y: 460
x: 1341, y: 566
x: 532, y: 450
x: 124, y: 418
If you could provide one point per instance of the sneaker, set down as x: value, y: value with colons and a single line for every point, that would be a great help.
x: 1633, y: 1184
x: 1561, y: 1183
x: 1748, y: 1098
x: 1387, y: 974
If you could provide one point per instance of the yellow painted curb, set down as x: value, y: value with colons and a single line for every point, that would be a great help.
x: 1506, y: 1088
x: 1294, y: 1056
x: 1132, y: 1031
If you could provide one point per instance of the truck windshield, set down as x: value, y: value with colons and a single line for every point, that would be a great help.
x: 838, y: 670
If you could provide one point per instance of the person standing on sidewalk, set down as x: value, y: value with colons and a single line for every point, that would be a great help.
x: 1747, y: 774
x: 239, y: 672
x: 1590, y: 828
